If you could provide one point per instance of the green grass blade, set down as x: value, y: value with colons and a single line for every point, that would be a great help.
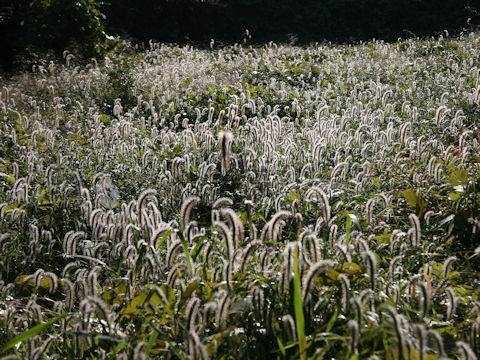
x: 151, y: 342
x: 166, y: 339
x: 29, y: 333
x: 331, y: 322
x: 298, y: 305
x: 186, y: 252
x: 117, y: 350
x: 164, y: 237
x: 281, y: 347
x: 348, y: 228
x: 196, y: 248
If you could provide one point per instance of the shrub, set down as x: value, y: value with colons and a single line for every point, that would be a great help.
x: 42, y: 26
x: 57, y: 25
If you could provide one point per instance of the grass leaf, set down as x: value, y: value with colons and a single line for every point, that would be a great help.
x: 348, y: 227
x: 186, y: 252
x: 298, y: 305
x: 410, y: 196
x: 331, y: 322
x: 151, y: 342
x: 281, y: 347
x: 30, y: 333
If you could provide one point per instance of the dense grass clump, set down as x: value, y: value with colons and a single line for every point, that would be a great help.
x: 272, y: 202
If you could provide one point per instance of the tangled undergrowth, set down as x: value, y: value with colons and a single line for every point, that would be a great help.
x: 274, y: 202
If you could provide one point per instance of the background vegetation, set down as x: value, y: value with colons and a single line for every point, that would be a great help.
x: 31, y: 29
x: 302, y: 21
x: 34, y: 27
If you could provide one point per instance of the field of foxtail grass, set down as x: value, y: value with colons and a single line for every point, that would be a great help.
x: 270, y: 202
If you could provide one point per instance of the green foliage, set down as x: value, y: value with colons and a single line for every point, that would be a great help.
x: 465, y: 205
x: 65, y: 25
x: 416, y: 201
x: 29, y: 333
x: 119, y: 81
x: 298, y: 306
x: 39, y: 27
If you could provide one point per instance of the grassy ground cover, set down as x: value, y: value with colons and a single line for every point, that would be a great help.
x: 272, y: 202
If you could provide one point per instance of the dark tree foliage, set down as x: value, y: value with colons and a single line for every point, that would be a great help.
x: 30, y: 28
x: 303, y: 21
x: 10, y: 19
x: 58, y: 24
